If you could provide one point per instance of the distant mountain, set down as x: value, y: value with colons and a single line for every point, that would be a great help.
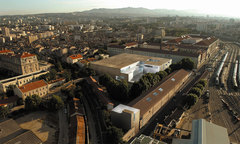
x: 136, y: 12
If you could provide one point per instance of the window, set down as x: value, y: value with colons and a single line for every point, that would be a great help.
x: 160, y: 89
x: 155, y: 93
x: 149, y: 99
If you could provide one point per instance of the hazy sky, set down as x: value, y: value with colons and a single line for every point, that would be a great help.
x: 223, y: 7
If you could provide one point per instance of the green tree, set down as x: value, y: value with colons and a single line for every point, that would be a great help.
x: 200, y: 86
x: 52, y: 74
x: 136, y: 90
x: 114, y: 135
x: 55, y: 103
x: 168, y: 70
x: 176, y: 66
x: 191, y: 99
x: 162, y: 74
x: 67, y: 75
x: 196, y: 91
x: 32, y: 102
x: 10, y: 91
x: 203, y: 82
x: 187, y: 63
x: 4, y: 111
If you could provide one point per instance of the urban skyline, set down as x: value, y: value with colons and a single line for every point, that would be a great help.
x: 15, y: 7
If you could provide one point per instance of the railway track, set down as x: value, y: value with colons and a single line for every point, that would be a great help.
x: 228, y: 94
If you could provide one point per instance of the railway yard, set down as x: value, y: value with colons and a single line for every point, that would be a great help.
x: 223, y: 106
x: 224, y: 101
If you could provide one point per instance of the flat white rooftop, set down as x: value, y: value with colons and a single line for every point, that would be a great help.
x: 121, y: 107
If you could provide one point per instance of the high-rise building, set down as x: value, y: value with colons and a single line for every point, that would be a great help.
x: 6, y: 31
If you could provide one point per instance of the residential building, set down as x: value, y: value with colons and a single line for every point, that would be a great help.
x: 6, y: 31
x: 130, y: 67
x: 24, y: 63
x: 74, y: 58
x: 32, y: 38
x: 20, y: 80
x: 12, y: 133
x: 204, y: 132
x: 39, y: 88
x: 5, y: 52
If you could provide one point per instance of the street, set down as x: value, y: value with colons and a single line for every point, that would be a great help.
x: 63, y: 128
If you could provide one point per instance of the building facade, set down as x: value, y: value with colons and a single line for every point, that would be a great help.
x: 130, y: 67
x: 24, y: 63
x: 39, y: 88
x: 19, y: 80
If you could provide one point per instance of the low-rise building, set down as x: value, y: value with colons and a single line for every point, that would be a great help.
x: 152, y: 51
x: 130, y: 67
x: 155, y: 98
x: 127, y: 118
x: 74, y: 58
x: 39, y: 88
x: 139, y: 111
x: 19, y: 80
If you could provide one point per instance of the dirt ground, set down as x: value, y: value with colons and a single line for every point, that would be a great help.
x: 42, y: 124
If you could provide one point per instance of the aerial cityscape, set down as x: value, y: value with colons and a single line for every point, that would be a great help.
x: 119, y: 72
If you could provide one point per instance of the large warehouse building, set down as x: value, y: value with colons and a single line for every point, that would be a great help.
x: 148, y: 103
x: 130, y: 67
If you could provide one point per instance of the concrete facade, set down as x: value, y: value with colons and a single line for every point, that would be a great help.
x: 130, y: 67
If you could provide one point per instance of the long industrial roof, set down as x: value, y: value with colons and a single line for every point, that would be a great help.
x: 125, y: 59
x: 147, y: 100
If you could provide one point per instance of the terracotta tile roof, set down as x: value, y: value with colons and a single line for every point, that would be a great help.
x: 91, y: 59
x: 80, y: 138
x: 56, y: 80
x: 84, y: 61
x: 207, y: 41
x: 76, y: 56
x: 32, y: 86
x: 6, y: 51
x: 131, y: 44
x: 26, y: 54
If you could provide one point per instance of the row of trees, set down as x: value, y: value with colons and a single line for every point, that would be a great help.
x: 34, y: 102
x: 185, y: 63
x: 146, y: 82
x: 196, y: 92
x: 118, y: 90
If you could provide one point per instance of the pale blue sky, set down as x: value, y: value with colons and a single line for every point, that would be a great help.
x: 224, y: 7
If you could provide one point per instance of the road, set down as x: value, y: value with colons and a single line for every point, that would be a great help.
x: 63, y: 128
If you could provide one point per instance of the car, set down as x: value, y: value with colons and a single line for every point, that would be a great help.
x: 207, y: 93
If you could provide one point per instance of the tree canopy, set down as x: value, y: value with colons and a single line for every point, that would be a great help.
x: 32, y: 102
x: 55, y: 103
